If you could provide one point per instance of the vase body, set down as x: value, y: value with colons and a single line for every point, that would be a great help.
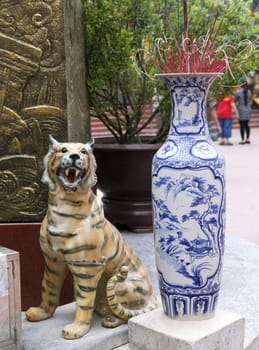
x: 188, y: 196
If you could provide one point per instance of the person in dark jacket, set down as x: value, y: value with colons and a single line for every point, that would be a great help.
x: 243, y: 98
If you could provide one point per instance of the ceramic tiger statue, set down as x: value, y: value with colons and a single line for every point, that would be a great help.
x: 109, y: 277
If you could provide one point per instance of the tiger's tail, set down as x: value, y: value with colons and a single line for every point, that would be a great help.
x: 116, y: 307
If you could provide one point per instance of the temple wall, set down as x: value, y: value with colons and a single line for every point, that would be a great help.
x: 33, y: 99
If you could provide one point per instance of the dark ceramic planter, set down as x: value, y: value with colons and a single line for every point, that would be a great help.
x: 124, y: 178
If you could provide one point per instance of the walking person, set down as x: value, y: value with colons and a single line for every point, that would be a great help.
x: 212, y: 119
x: 243, y: 99
x: 226, y: 111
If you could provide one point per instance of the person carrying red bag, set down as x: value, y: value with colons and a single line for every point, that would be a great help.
x: 226, y: 110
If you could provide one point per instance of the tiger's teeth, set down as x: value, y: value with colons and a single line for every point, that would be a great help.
x: 77, y: 172
x: 66, y: 172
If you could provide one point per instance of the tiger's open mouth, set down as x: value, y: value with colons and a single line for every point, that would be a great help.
x: 71, y: 177
x: 71, y: 174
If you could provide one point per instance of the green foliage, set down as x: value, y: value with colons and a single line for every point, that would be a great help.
x: 237, y: 27
x: 115, y: 29
x: 118, y: 94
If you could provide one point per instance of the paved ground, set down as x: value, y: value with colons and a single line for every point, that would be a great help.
x: 242, y: 183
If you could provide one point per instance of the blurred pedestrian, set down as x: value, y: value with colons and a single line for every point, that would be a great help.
x: 243, y: 99
x: 254, y: 7
x: 212, y: 118
x: 226, y: 110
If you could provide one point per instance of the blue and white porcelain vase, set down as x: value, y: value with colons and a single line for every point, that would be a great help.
x: 188, y: 193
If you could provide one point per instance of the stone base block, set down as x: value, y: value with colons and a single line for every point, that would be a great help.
x: 156, y: 331
x: 47, y: 334
x: 10, y: 304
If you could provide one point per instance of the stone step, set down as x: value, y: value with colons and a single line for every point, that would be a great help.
x: 98, y: 129
x: 47, y: 334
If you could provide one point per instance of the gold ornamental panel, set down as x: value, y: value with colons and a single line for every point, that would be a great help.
x: 32, y: 102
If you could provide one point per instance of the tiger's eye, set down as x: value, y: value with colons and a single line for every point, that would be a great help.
x: 83, y: 150
x: 64, y: 150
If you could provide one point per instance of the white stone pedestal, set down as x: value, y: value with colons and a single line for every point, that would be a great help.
x: 10, y: 300
x: 156, y: 331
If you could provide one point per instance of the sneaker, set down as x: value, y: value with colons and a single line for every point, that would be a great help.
x: 247, y: 141
x: 242, y: 142
x: 229, y: 144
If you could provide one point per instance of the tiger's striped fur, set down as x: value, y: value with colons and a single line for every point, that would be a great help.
x: 108, y: 276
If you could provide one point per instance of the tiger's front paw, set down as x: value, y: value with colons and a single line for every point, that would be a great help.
x: 75, y: 330
x: 37, y: 314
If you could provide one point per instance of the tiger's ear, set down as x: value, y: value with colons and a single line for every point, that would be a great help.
x: 91, y: 142
x: 91, y: 178
x: 53, y: 143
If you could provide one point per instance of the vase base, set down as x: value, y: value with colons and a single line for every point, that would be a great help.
x: 189, y: 307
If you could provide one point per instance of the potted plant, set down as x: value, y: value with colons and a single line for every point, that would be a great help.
x: 125, y: 103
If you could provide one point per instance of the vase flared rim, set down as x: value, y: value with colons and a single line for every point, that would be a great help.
x: 161, y: 75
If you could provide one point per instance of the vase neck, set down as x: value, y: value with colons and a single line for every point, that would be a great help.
x: 189, y: 104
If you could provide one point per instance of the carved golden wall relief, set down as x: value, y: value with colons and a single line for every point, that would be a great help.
x: 32, y: 101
